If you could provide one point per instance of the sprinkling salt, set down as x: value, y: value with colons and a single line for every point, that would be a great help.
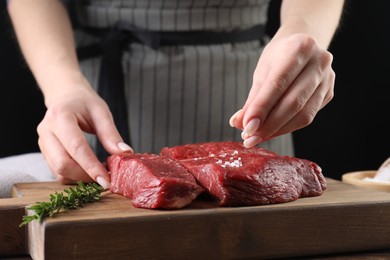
x: 234, y: 164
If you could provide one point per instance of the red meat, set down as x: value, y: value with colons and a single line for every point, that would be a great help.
x: 152, y: 181
x: 241, y: 177
x: 210, y: 149
x: 231, y: 173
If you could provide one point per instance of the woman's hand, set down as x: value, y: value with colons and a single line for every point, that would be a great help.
x: 45, y: 36
x: 292, y: 81
x: 62, y: 141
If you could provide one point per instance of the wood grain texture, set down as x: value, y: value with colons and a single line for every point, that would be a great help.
x: 12, y: 238
x: 344, y: 219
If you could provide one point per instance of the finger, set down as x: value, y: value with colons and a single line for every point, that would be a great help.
x: 259, y: 74
x: 75, y: 144
x: 107, y: 132
x: 298, y: 94
x: 292, y: 60
x: 330, y: 94
x: 233, y: 122
x: 306, y: 115
x: 60, y: 163
x: 252, y: 141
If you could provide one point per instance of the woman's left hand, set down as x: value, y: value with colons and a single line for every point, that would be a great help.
x: 292, y: 81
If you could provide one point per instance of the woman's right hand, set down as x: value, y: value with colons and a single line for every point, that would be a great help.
x: 70, y: 114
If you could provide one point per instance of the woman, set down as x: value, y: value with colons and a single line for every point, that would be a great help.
x: 176, y: 91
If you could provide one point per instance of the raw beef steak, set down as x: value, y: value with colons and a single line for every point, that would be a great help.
x: 210, y: 149
x: 152, y: 181
x: 239, y: 177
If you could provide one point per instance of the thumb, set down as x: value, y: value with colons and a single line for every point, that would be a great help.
x: 237, y: 119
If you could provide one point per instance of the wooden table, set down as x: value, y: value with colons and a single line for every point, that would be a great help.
x: 344, y: 220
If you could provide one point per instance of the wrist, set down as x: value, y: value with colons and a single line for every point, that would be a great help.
x: 295, y: 25
x: 57, y: 85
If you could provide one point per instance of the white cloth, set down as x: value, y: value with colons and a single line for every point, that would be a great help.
x: 30, y: 167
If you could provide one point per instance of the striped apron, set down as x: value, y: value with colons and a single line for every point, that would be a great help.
x: 182, y: 93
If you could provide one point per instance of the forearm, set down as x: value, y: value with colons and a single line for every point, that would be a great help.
x: 319, y: 19
x: 45, y: 36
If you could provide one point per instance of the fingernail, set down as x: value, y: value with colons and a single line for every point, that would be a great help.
x: 252, y: 126
x: 252, y: 141
x: 124, y: 147
x: 103, y: 182
x: 231, y: 120
x: 244, y: 136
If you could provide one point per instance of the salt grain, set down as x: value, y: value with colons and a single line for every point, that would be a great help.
x: 233, y: 164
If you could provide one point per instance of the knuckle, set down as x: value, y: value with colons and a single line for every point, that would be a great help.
x: 279, y: 84
x: 53, y: 112
x: 332, y: 76
x: 326, y: 59
x: 40, y: 128
x: 305, y: 43
x: 297, y: 104
x: 307, y: 116
x: 329, y: 96
x: 54, y: 118
x: 61, y: 166
x: 57, y: 113
x: 43, y: 125
x: 330, y: 93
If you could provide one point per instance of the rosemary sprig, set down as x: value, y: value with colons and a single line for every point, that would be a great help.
x: 71, y: 198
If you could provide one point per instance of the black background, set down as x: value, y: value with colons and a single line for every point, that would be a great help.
x: 21, y: 102
x: 349, y: 134
x: 352, y: 132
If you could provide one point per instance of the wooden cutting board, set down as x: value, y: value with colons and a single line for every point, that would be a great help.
x: 344, y: 219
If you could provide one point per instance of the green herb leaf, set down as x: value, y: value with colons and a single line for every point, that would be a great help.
x: 71, y: 198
